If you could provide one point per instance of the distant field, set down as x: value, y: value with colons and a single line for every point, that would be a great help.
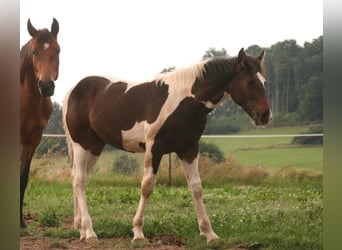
x: 271, y: 152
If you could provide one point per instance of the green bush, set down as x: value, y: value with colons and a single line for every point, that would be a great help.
x: 125, y: 165
x: 52, y: 145
x: 212, y: 151
x: 49, y: 218
x: 314, y: 140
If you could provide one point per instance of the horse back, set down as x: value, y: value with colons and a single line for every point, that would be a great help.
x: 103, y: 112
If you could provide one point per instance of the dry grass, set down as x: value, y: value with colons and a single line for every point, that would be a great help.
x: 212, y: 174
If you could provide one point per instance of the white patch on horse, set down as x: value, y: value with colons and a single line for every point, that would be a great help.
x: 46, y: 46
x: 132, y: 137
x: 211, y: 105
x: 114, y: 80
x: 195, y: 186
x: 182, y: 76
x: 261, y: 78
x: 180, y: 83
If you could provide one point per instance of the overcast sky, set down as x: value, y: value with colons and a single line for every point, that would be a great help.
x: 136, y: 39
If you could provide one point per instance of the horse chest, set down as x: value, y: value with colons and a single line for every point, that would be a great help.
x: 34, y: 117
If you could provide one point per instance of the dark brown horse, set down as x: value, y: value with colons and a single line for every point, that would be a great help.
x: 165, y: 115
x: 39, y: 62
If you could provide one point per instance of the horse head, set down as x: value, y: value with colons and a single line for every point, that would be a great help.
x: 45, y: 56
x: 247, y: 88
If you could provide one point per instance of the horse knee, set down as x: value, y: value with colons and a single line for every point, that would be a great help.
x: 196, y: 189
x: 147, y: 186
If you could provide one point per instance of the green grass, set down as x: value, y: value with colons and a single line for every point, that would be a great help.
x: 267, y: 192
x: 277, y: 218
x: 271, y: 152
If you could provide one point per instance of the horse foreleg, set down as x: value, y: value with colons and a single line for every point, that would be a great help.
x: 147, y: 185
x: 83, y: 161
x: 195, y: 186
x: 25, y: 164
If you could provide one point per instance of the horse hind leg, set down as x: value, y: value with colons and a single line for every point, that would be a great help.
x: 194, y: 184
x: 83, y: 161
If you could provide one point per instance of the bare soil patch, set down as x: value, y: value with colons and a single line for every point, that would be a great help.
x: 39, y: 243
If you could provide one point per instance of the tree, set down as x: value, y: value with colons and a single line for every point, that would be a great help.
x: 55, y: 124
x: 311, y: 107
x: 212, y: 52
x: 169, y: 69
x: 254, y: 50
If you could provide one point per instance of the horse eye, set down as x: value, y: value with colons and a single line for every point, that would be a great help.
x: 250, y: 82
x: 34, y: 53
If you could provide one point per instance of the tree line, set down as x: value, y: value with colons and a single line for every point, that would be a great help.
x: 294, y: 87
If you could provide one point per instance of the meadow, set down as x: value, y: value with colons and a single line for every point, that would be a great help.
x: 266, y: 195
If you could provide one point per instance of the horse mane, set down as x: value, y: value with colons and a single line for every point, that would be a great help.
x: 182, y: 76
x: 200, y: 71
x: 219, y: 64
x: 25, y: 59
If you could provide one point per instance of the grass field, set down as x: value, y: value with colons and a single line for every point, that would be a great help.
x: 267, y: 194
x: 271, y: 152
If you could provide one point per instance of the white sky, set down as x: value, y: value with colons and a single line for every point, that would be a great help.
x: 136, y: 39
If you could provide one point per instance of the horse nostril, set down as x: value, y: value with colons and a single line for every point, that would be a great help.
x: 265, y: 116
x: 46, y: 88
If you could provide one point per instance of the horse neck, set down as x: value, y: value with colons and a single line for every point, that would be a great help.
x: 212, y: 89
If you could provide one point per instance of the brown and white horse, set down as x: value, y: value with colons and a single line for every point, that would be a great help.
x: 39, y: 62
x: 165, y: 115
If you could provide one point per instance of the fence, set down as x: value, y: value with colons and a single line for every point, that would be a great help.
x: 228, y: 136
x: 221, y: 136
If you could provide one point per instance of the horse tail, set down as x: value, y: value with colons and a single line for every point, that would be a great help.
x: 68, y: 137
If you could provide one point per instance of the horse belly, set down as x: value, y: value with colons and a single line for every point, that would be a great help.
x: 133, y: 140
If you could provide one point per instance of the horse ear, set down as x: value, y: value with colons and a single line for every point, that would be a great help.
x: 262, y: 56
x: 32, y: 30
x: 242, y: 57
x: 54, y: 27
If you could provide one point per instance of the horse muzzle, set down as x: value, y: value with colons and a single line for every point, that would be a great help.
x: 46, y: 88
x: 262, y: 118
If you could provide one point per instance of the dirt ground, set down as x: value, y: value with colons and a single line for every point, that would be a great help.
x: 39, y: 243
x: 158, y: 243
x: 29, y: 241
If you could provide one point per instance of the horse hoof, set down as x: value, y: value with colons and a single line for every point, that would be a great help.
x: 25, y: 232
x: 212, y: 237
x: 92, y: 239
x: 22, y: 224
x: 138, y: 238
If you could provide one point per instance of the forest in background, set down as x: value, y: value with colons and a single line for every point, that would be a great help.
x: 294, y: 87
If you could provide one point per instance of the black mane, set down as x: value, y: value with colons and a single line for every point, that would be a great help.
x: 218, y: 65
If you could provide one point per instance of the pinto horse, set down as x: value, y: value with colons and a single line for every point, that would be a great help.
x: 167, y: 114
x: 39, y: 62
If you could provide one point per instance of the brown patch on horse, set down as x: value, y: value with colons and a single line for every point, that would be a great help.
x: 88, y: 126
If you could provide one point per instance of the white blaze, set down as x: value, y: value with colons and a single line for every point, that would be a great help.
x: 261, y: 78
x: 46, y: 46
